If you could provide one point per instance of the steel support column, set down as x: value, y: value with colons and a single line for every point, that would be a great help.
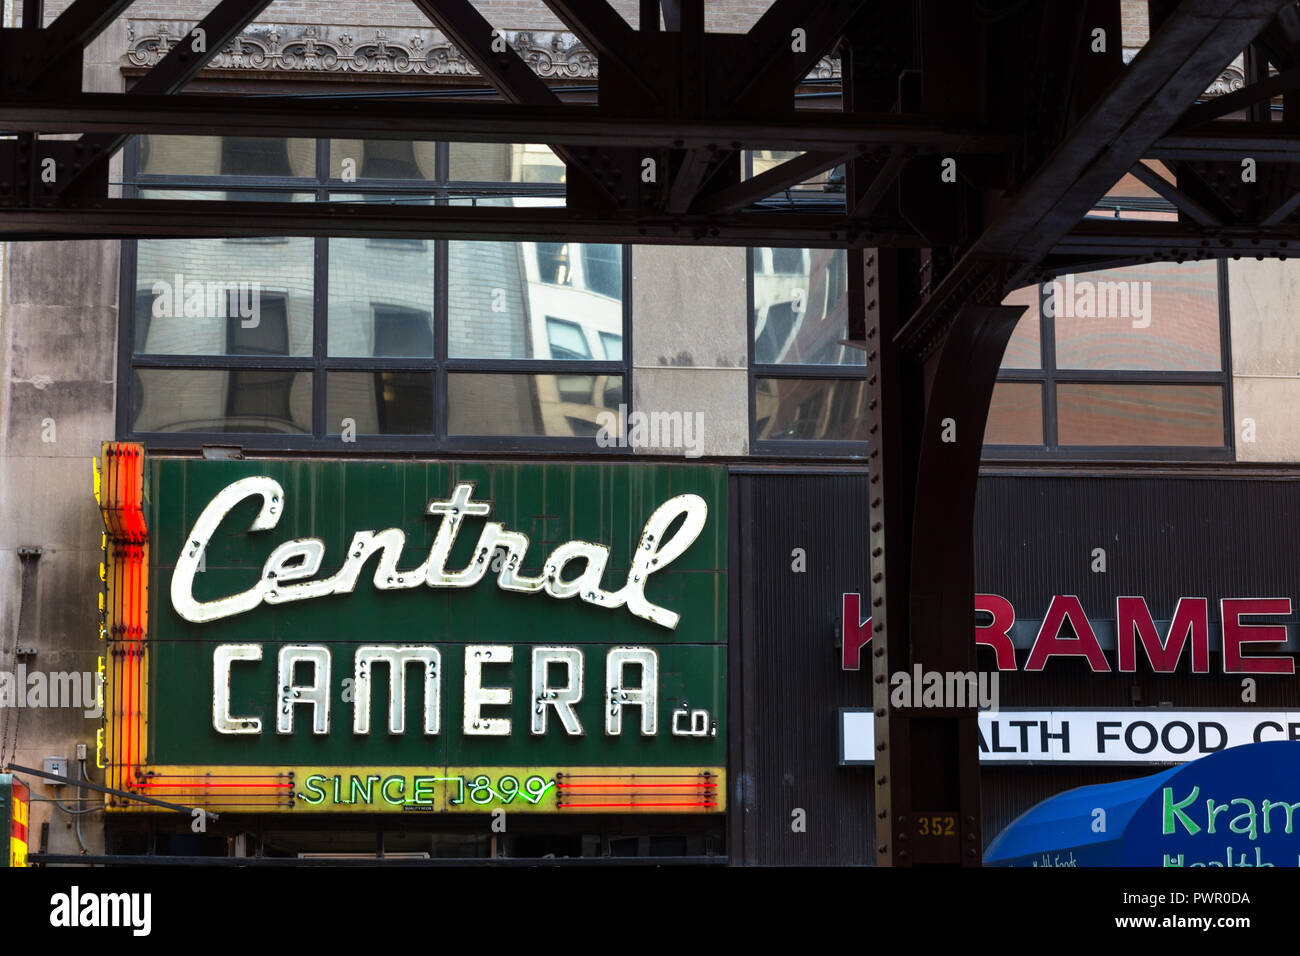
x: 926, y: 427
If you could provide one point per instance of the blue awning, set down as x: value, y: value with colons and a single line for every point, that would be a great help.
x: 1232, y: 808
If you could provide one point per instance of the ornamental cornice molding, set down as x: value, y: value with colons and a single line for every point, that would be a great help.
x: 322, y: 48
x: 1232, y: 78
x: 397, y: 51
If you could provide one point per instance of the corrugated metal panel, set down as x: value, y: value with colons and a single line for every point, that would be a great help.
x: 1163, y: 537
x: 786, y: 753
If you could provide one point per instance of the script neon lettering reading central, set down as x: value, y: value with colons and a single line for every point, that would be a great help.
x: 289, y: 572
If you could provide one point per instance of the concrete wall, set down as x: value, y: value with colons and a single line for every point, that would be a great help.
x: 58, y: 348
x: 1262, y: 303
x: 689, y: 349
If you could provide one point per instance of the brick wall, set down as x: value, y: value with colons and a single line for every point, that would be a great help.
x: 1133, y: 19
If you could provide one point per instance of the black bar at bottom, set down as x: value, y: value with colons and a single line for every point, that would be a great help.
x: 123, y: 860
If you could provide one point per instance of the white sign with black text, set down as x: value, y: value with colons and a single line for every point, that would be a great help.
x: 1094, y: 736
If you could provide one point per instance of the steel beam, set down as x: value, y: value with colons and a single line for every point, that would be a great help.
x: 160, y: 218
x: 506, y: 70
x: 649, y: 16
x: 694, y: 167
x: 182, y: 63
x: 786, y: 42
x: 1185, y: 203
x: 926, y: 423
x: 932, y: 381
x: 73, y: 30
x: 1172, y: 241
x: 1192, y: 46
x: 1231, y: 141
x: 605, y: 33
x: 822, y: 23
x: 768, y: 183
x: 486, y: 48
x: 672, y: 15
x: 882, y: 178
x: 1282, y: 212
x: 201, y: 114
x: 1286, y: 81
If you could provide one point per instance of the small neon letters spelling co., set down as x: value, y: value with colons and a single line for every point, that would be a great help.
x: 284, y: 576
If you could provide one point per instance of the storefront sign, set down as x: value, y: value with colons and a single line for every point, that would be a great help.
x: 15, y: 799
x: 301, y: 558
x: 1245, y: 644
x: 1234, y: 808
x: 266, y: 679
x: 1095, y: 736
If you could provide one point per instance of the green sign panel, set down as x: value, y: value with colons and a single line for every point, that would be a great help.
x: 548, y: 632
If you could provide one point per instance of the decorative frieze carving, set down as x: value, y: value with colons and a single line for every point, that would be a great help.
x: 1232, y: 78
x: 330, y: 49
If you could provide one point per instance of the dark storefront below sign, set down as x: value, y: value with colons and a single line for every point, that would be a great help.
x: 1159, y: 625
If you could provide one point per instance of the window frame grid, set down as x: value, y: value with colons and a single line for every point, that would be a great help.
x: 818, y: 447
x: 1049, y: 376
x: 320, y: 363
x: 776, y: 447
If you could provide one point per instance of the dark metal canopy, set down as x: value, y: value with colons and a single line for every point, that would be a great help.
x: 976, y: 137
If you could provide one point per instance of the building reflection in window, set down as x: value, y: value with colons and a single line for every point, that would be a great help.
x: 810, y: 409
x: 801, y: 307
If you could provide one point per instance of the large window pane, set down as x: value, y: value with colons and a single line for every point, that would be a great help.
x: 505, y: 163
x: 231, y: 195
x: 352, y: 159
x: 227, y: 156
x: 801, y: 307
x: 801, y: 409
x: 602, y: 268
x: 1140, y: 415
x: 1015, y: 414
x: 549, y: 405
x: 381, y: 293
x: 215, y: 400
x: 1024, y: 350
x: 379, y: 403
x: 535, y: 300
x: 488, y: 308
x: 1157, y: 316
x: 218, y: 297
